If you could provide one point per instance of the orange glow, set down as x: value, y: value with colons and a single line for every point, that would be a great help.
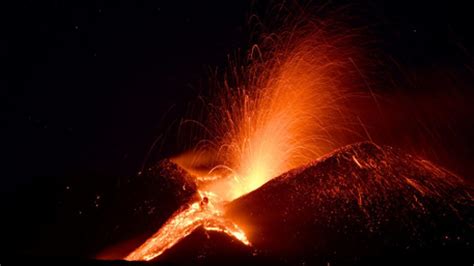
x: 281, y: 111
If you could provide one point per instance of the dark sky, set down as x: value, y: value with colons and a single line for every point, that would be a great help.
x: 93, y: 80
x: 88, y: 85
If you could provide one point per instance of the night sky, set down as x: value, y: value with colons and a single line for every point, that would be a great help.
x: 87, y: 87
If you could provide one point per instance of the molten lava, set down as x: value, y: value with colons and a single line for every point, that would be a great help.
x: 283, y: 110
x: 183, y: 223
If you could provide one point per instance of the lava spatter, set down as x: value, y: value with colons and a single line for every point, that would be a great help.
x: 285, y: 112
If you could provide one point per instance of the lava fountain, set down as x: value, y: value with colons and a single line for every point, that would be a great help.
x: 282, y: 109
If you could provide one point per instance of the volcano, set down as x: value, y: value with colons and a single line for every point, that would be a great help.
x: 361, y: 201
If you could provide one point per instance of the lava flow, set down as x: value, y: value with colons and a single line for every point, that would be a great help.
x: 184, y: 222
x: 282, y: 110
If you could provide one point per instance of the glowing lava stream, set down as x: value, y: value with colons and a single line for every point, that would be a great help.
x: 284, y: 109
x: 203, y: 213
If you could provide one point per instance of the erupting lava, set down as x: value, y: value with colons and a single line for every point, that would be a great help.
x: 281, y: 110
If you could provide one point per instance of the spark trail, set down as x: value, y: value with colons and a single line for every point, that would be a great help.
x: 282, y: 109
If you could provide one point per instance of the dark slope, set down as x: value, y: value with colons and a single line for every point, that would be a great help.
x: 361, y: 200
